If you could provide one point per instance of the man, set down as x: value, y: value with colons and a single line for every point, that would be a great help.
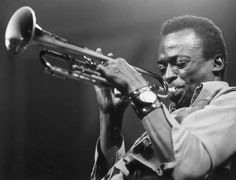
x: 195, y: 139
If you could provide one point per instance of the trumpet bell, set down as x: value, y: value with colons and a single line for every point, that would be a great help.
x: 20, y: 30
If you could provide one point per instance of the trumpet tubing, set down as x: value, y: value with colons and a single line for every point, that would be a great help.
x: 22, y: 31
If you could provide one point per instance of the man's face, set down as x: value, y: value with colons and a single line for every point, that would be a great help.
x: 182, y: 64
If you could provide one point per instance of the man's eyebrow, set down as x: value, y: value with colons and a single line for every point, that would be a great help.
x: 161, y: 61
x: 165, y: 60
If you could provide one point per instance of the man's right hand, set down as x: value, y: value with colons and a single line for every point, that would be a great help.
x: 112, y: 105
x: 111, y: 102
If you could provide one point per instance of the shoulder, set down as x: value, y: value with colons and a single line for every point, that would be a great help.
x: 227, y: 93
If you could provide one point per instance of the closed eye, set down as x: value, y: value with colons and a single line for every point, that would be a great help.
x: 162, y: 69
x: 182, y: 63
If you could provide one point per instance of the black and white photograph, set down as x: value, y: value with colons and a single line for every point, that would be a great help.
x: 118, y: 90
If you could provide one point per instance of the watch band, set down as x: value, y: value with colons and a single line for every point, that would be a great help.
x: 143, y: 108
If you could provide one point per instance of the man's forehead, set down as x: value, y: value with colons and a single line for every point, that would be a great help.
x: 185, y: 37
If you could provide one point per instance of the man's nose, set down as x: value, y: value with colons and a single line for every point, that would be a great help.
x: 171, y: 73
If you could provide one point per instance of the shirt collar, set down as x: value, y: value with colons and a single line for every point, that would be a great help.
x: 207, y: 90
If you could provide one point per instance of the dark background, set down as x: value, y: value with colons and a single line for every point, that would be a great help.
x: 49, y: 126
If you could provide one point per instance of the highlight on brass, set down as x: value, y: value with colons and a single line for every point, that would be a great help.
x: 23, y: 31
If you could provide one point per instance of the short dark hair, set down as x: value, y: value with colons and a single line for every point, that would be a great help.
x: 212, y: 38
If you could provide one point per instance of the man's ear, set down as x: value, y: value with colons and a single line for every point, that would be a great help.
x: 218, y: 64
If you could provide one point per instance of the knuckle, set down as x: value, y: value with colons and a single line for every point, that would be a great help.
x: 120, y: 61
x: 99, y: 50
x: 110, y: 54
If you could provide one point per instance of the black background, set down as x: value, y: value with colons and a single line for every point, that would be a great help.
x: 49, y: 126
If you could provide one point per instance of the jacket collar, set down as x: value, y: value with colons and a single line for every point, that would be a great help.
x: 207, y: 91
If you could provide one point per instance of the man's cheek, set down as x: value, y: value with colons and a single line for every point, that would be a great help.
x: 184, y: 75
x: 187, y: 75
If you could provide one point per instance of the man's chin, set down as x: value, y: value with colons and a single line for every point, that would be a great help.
x: 178, y: 96
x: 181, y: 97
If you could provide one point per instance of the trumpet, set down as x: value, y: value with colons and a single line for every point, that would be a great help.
x: 22, y: 31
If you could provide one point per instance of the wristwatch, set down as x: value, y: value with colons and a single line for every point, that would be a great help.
x: 144, y: 101
x: 144, y: 96
x: 147, y: 97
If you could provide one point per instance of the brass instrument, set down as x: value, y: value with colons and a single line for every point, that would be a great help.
x: 23, y: 31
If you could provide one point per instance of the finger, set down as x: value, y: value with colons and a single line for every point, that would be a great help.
x: 110, y: 55
x: 109, y: 73
x: 108, y: 62
x: 117, y: 93
x: 100, y: 89
x: 103, y: 70
x: 99, y: 50
x: 97, y: 88
x: 102, y: 94
x: 126, y: 100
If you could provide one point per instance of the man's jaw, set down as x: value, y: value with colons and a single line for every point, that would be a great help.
x: 178, y: 94
x: 182, y: 96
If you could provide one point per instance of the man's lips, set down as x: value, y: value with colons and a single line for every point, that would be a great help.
x: 179, y: 91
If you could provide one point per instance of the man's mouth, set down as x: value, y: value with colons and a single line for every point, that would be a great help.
x: 179, y: 90
x: 178, y: 94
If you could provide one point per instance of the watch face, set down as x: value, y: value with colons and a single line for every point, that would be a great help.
x: 148, y: 97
